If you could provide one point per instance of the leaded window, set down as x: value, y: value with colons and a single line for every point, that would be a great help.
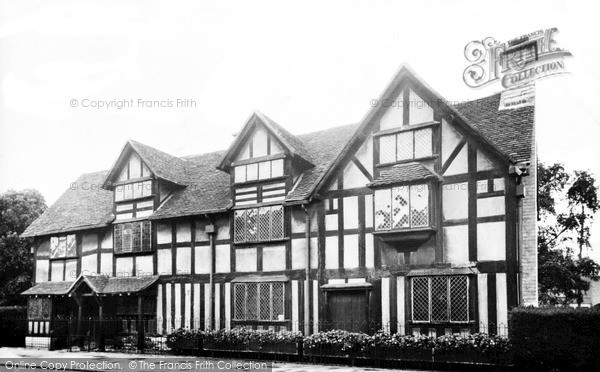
x: 258, y: 224
x: 133, y: 237
x: 259, y: 301
x: 63, y: 246
x: 406, y: 145
x: 39, y: 308
x: 258, y: 171
x: 440, y: 299
x: 402, y: 207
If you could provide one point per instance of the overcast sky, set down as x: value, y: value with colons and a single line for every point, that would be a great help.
x: 306, y: 64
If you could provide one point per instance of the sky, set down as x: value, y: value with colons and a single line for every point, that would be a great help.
x: 308, y: 65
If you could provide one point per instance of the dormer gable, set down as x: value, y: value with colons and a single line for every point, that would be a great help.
x: 263, y: 139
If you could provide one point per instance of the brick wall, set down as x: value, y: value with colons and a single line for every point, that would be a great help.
x: 528, y: 256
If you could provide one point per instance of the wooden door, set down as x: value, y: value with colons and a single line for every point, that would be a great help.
x: 348, y: 310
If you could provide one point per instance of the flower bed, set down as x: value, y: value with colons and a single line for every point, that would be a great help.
x: 241, y: 339
x: 456, y: 348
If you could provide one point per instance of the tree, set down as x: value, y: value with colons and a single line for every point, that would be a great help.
x: 18, y: 209
x: 563, y: 277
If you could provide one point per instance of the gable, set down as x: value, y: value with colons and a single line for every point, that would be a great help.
x: 258, y: 143
x: 132, y: 168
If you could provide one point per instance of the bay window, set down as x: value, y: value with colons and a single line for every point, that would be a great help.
x: 258, y: 224
x: 440, y: 299
x: 402, y: 207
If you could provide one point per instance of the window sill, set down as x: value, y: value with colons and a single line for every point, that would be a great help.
x: 406, y: 240
x: 257, y: 182
x: 63, y: 258
x: 121, y: 254
x: 436, y: 323
x: 406, y: 128
x: 264, y: 242
x: 421, y: 159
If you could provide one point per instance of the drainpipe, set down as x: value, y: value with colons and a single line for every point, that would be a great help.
x: 307, y: 273
x: 210, y: 230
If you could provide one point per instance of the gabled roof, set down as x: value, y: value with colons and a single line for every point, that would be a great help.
x: 99, y: 284
x: 83, y: 206
x: 514, y: 144
x: 324, y: 145
x: 292, y: 144
x: 162, y: 165
x: 205, y: 185
x: 404, y: 173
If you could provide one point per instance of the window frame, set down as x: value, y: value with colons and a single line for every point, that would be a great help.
x: 257, y: 235
x: 141, y: 238
x: 448, y: 319
x: 257, y: 177
x: 66, y: 239
x: 258, y: 309
x: 390, y: 191
x: 412, y: 132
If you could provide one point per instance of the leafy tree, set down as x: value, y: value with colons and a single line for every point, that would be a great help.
x: 17, y: 210
x: 563, y: 277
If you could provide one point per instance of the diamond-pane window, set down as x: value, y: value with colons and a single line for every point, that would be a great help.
x: 277, y: 168
x: 264, y: 170
x: 387, y: 149
x: 405, y: 146
x: 252, y: 172
x: 400, y: 208
x: 259, y: 224
x: 258, y: 301
x: 459, y: 295
x: 423, y: 143
x: 264, y: 223
x: 277, y: 222
x: 240, y: 173
x: 420, y: 299
x: 440, y: 299
x: 419, y: 205
x: 239, y: 226
x: 251, y: 225
x: 383, y: 220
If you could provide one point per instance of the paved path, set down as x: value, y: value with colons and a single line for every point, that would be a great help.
x: 19, y: 354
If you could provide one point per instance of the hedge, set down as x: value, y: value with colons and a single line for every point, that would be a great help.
x: 556, y: 338
x: 13, y: 325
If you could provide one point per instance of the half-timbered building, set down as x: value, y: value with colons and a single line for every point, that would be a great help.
x: 418, y: 219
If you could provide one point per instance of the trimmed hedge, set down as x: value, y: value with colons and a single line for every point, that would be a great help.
x: 556, y: 338
x: 13, y: 325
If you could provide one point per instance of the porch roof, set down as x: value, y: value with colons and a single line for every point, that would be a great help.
x: 402, y: 173
x: 105, y: 285
x: 48, y: 289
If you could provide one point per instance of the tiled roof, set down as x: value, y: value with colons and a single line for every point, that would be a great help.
x: 293, y: 143
x: 207, y: 191
x: 49, y: 288
x: 129, y: 284
x: 509, y: 130
x: 163, y: 165
x: 84, y: 205
x: 98, y: 284
x: 403, y: 173
x: 324, y: 146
